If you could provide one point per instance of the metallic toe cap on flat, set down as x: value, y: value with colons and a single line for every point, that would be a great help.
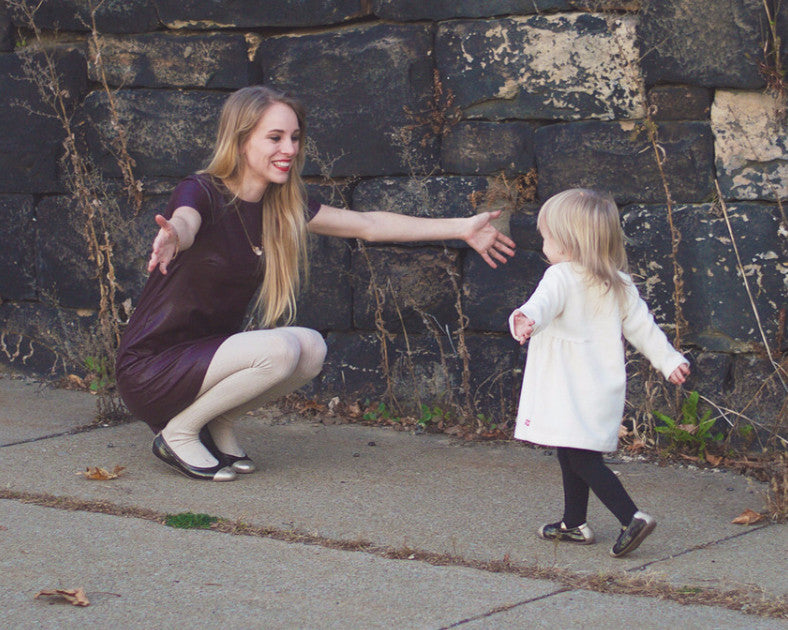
x: 225, y: 474
x: 244, y: 466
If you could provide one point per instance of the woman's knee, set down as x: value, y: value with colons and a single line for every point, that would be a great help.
x: 312, y: 351
x: 281, y: 352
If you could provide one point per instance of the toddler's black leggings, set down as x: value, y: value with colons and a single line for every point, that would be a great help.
x: 582, y: 470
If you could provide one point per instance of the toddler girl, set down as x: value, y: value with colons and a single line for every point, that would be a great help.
x: 574, y: 382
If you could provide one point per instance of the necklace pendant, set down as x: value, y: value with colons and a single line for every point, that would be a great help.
x: 258, y: 251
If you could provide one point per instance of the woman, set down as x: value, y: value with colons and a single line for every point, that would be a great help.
x: 183, y: 365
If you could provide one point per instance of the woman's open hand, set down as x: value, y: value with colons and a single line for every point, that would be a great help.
x: 165, y: 246
x: 487, y: 240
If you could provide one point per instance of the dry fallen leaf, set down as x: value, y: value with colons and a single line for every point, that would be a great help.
x: 97, y: 473
x: 748, y: 517
x: 75, y: 596
x: 354, y: 410
x: 72, y: 380
x: 637, y: 446
x: 714, y: 460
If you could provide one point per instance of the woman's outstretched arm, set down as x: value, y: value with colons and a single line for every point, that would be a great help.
x: 477, y: 230
x: 174, y: 236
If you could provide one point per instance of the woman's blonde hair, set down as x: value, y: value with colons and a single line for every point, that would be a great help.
x: 586, y: 225
x: 284, y: 236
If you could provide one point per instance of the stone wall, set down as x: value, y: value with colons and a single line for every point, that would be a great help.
x: 439, y: 108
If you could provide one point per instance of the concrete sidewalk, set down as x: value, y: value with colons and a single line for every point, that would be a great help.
x: 331, y: 507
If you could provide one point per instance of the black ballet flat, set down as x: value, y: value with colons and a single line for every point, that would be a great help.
x: 220, y: 472
x: 240, y: 464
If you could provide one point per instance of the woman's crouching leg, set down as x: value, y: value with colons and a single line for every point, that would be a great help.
x: 312, y: 353
x: 247, y: 369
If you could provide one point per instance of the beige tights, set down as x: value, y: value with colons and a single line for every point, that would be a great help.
x: 248, y: 369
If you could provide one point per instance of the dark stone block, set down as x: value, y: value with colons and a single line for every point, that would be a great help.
x: 426, y: 369
x: 522, y: 228
x: 781, y: 20
x: 170, y: 133
x: 758, y: 390
x: 132, y: 236
x: 416, y: 369
x: 496, y: 377
x: 646, y: 391
x: 159, y: 185
x: 711, y: 44
x: 352, y: 368
x: 544, y: 67
x: 326, y: 299
x: 716, y: 307
x: 712, y: 373
x: 406, y: 285
x: 449, y: 9
x: 433, y: 197
x: 490, y: 295
x: 31, y: 141
x: 112, y: 16
x: 750, y: 144
x: 679, y: 102
x: 66, y: 274
x: 6, y: 31
x: 484, y: 147
x: 618, y: 157
x: 158, y: 60
x: 213, y: 14
x: 337, y: 193
x: 358, y: 112
x: 17, y: 256
x: 43, y: 340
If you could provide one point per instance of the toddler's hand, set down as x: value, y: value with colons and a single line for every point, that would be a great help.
x: 523, y: 327
x: 680, y: 374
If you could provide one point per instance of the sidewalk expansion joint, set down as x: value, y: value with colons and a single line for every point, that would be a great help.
x: 698, y: 548
x: 623, y: 583
x: 40, y: 438
x: 506, y: 608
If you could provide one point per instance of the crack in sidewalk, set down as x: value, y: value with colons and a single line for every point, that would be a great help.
x: 705, y: 545
x: 746, y: 601
x: 85, y: 428
x: 507, y: 608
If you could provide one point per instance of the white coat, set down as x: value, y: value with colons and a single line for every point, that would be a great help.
x: 575, y: 377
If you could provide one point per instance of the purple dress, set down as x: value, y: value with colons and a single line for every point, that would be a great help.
x: 182, y: 318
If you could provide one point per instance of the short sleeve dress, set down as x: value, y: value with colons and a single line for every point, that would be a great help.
x: 183, y: 317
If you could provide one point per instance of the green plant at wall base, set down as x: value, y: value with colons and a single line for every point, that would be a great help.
x: 746, y: 432
x: 692, y: 431
x: 99, y: 373
x: 486, y: 421
x: 432, y: 415
x: 381, y: 412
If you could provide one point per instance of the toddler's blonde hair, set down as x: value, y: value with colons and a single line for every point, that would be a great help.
x: 586, y: 225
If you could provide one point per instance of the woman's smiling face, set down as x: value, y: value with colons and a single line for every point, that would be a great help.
x: 270, y: 150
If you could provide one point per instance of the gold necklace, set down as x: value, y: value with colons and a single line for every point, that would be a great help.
x: 258, y: 251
